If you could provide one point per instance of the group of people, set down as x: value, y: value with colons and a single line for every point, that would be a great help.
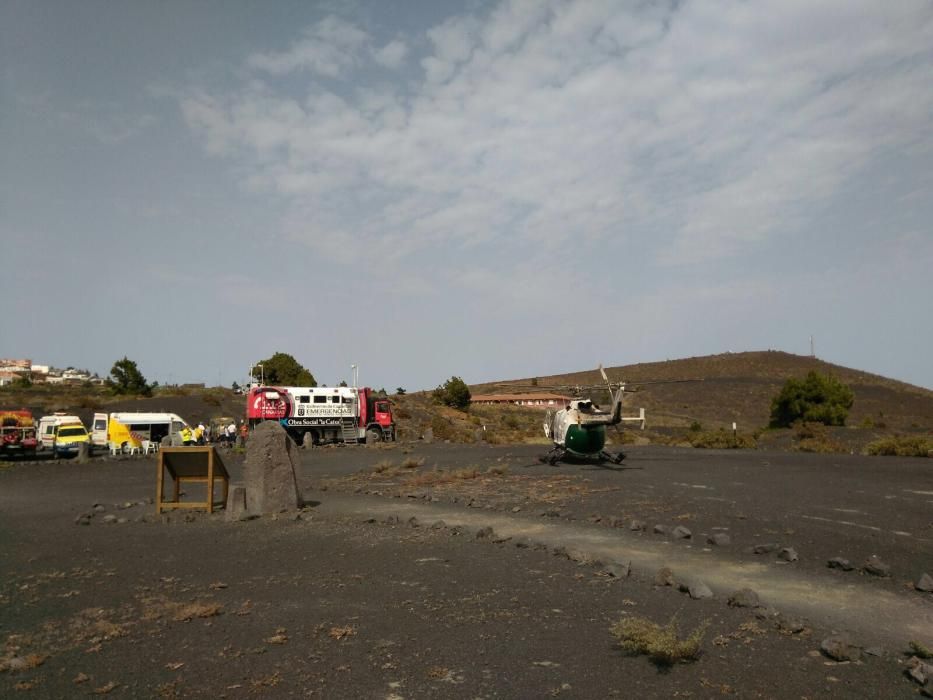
x: 198, y: 435
x: 228, y: 434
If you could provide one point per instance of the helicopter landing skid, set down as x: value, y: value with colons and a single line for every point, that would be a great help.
x: 553, y: 457
x: 615, y: 459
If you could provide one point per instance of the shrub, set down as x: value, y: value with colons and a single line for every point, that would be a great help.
x: 816, y: 399
x: 812, y: 437
x: 639, y: 635
x: 901, y: 446
x: 454, y: 392
x: 696, y: 427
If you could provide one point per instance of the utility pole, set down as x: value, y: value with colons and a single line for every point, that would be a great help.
x: 812, y: 353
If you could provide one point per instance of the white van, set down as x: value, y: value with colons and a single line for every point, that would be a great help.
x: 61, y: 433
x: 133, y: 428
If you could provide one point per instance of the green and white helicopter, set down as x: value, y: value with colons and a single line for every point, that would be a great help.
x: 579, y: 429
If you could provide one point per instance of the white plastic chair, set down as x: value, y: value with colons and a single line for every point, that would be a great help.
x: 116, y: 448
x: 132, y: 449
x: 148, y: 446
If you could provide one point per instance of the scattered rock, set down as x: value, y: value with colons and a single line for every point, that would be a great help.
x: 696, y: 589
x: 246, y: 517
x: 613, y: 521
x: 788, y: 554
x: 110, y: 518
x: 660, y: 529
x: 664, y: 577
x: 619, y: 569
x: 485, y: 533
x: 766, y: 548
x: 83, y: 519
x: 925, y: 584
x: 391, y: 520
x: 744, y: 598
x: 875, y: 567
x: 550, y: 514
x: 919, y: 670
x: 637, y: 525
x: 438, y: 525
x: 414, y: 522
x: 840, y: 648
x: 720, y: 539
x: 840, y: 563
x: 792, y: 625
x: 763, y: 612
x: 681, y: 533
x: 874, y: 651
x: 98, y: 507
x: 516, y: 509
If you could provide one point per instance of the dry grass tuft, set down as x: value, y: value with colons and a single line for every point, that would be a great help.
x: 186, y: 613
x: 919, y: 649
x: 902, y: 446
x: 412, y: 463
x: 639, y: 635
x: 341, y: 632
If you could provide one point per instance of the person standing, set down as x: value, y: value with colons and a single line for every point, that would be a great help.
x: 187, y: 436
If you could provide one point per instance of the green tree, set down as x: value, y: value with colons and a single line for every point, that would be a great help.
x: 284, y: 369
x: 235, y: 386
x: 454, y: 392
x: 816, y: 399
x: 400, y: 391
x: 125, y: 378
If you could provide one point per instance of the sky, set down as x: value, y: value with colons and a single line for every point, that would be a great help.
x: 488, y: 190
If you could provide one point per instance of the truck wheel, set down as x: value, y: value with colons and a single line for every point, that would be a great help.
x: 373, y: 436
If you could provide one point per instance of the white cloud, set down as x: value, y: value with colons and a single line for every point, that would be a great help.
x: 716, y: 126
x: 392, y: 54
x: 329, y: 48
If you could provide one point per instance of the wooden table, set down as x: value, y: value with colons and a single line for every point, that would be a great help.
x: 201, y: 464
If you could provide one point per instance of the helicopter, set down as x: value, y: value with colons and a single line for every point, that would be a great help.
x: 578, y: 430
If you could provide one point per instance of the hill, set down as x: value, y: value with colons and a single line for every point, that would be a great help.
x: 731, y: 387
x: 739, y: 387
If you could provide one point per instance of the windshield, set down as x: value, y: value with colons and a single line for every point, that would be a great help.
x: 71, y: 431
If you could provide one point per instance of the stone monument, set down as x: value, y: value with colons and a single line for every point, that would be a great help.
x: 269, y: 471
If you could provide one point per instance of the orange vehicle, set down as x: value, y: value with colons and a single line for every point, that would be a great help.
x: 17, y: 433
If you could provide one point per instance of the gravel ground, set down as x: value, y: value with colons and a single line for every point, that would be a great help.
x: 350, y: 599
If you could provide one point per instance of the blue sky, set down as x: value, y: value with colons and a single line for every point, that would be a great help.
x: 486, y: 189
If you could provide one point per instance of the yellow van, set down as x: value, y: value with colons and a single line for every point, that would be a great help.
x: 62, y: 434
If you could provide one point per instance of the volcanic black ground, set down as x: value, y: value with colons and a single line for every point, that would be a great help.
x: 367, y: 594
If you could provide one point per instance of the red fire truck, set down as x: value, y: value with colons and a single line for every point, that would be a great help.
x: 17, y: 433
x: 328, y: 414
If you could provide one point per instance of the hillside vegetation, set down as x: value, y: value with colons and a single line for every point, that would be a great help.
x: 732, y: 387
